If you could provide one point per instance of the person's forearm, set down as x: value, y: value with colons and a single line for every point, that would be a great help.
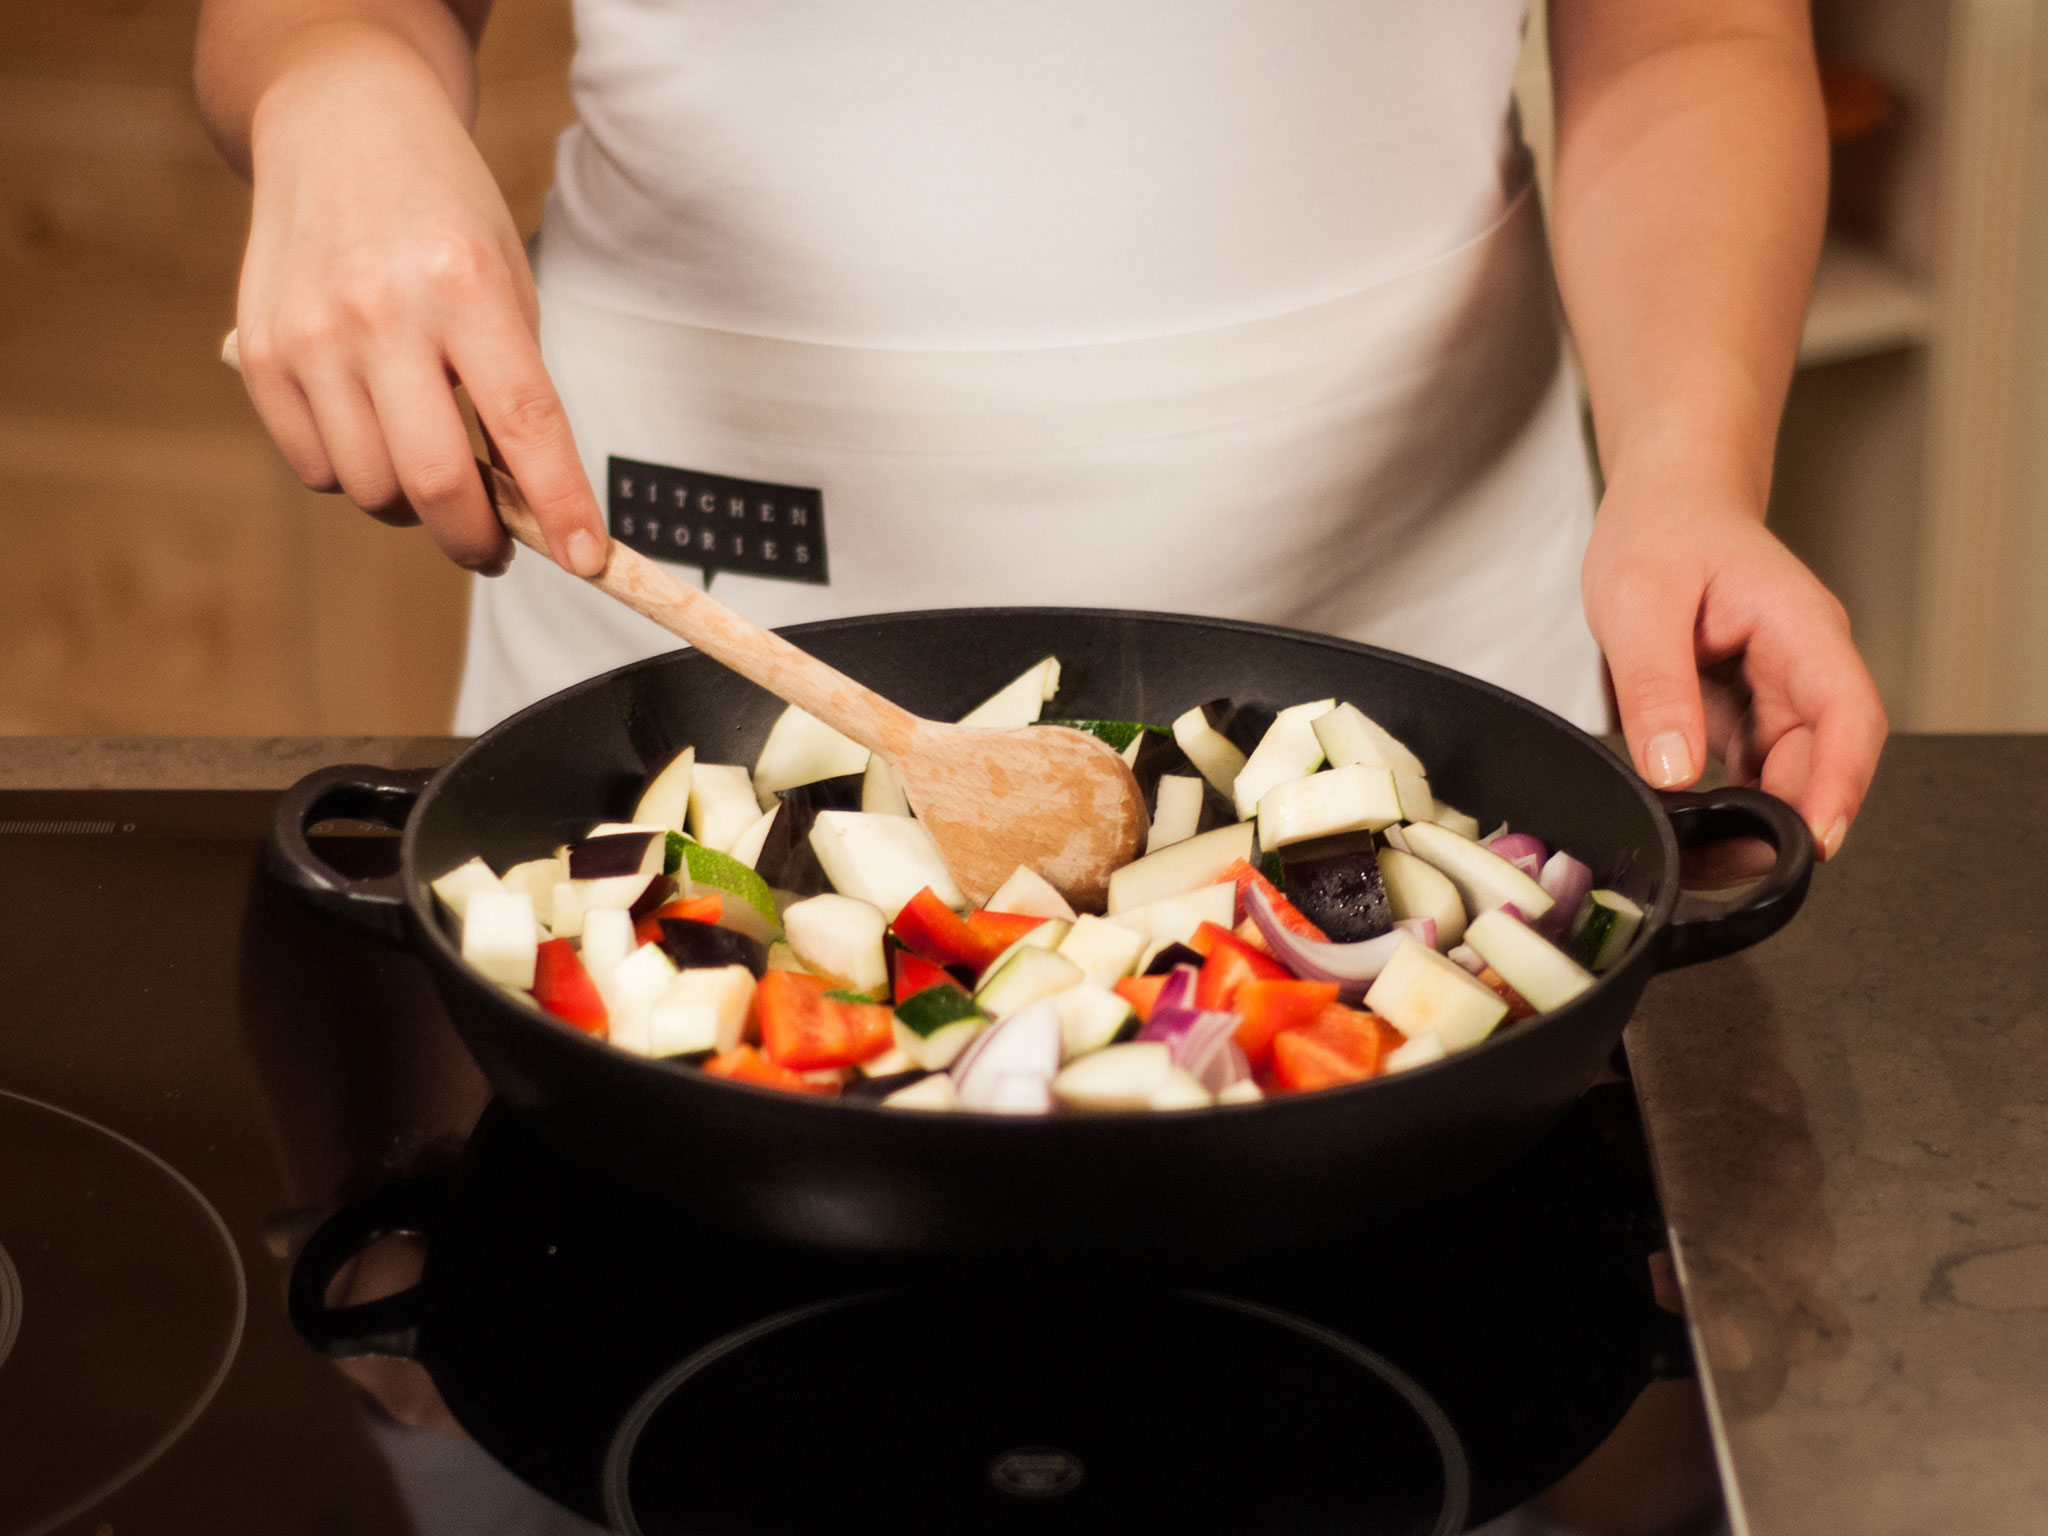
x: 1690, y: 198
x: 246, y: 49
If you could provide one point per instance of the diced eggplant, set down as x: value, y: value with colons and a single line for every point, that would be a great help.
x: 1420, y: 992
x: 538, y: 878
x: 1027, y: 893
x: 1176, y: 811
x: 693, y: 945
x: 1603, y: 929
x: 1354, y: 799
x: 802, y: 749
x: 1417, y: 888
x: 1419, y: 1052
x: 1162, y: 961
x: 722, y: 804
x: 615, y: 854
x: 462, y: 882
x: 665, y: 802
x: 1012, y: 1093
x: 1106, y: 952
x: 660, y: 889
x: 882, y: 860
x: 574, y: 900
x: 1027, y: 976
x: 1526, y: 961
x: 1288, y: 750
x: 1335, y: 883
x: 1484, y: 879
x: 1174, y: 920
x: 1201, y: 861
x: 1020, y: 702
x: 747, y: 847
x: 934, y: 1091
x: 1115, y: 1077
x: 607, y: 940
x: 637, y: 983
x: 840, y: 937
x: 881, y: 792
x: 1091, y: 1018
x: 702, y: 1010
x: 1214, y: 755
x: 501, y: 936
x: 786, y: 860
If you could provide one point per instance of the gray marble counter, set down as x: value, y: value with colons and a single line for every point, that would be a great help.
x: 1850, y: 1125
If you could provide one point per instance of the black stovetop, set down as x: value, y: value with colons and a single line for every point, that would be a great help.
x: 195, y: 1072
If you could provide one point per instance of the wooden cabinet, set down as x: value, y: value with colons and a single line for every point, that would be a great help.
x: 165, y: 573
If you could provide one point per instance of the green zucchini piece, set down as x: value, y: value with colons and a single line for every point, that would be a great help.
x: 925, y: 1013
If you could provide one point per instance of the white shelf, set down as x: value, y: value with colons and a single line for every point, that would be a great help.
x: 1861, y: 306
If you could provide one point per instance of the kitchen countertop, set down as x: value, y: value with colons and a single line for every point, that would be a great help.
x: 1850, y: 1125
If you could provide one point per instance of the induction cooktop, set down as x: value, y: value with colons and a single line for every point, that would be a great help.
x: 203, y: 1085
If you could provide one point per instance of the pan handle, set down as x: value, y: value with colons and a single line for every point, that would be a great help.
x: 363, y: 792
x: 1708, y: 816
x: 390, y: 1325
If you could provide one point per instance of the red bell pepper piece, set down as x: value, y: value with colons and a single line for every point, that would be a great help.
x: 1265, y: 1008
x: 997, y: 931
x: 744, y: 1064
x: 1228, y: 965
x: 1291, y: 918
x: 803, y: 1028
x: 698, y: 909
x: 563, y: 987
x: 1519, y: 1007
x: 1341, y: 1045
x: 910, y: 973
x: 1141, y: 992
x: 936, y: 931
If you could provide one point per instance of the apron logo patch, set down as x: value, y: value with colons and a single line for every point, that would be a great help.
x: 717, y: 523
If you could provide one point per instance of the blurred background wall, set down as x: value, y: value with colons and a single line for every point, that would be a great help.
x: 165, y: 574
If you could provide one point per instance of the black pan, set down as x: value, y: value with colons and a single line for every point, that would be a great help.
x: 1182, y: 1192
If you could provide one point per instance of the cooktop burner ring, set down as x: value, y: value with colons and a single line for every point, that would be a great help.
x: 23, y: 1308
x: 1034, y: 1473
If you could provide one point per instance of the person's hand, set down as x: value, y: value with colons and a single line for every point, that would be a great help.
x: 1716, y: 636
x: 383, y: 268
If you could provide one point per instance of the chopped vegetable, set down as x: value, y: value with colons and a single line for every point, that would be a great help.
x: 746, y: 1065
x: 802, y: 749
x: 802, y: 1028
x: 1354, y: 799
x: 1201, y: 861
x: 691, y: 909
x: 462, y: 882
x: 1227, y: 965
x: 702, y: 1010
x: 722, y: 804
x: 501, y: 936
x: 563, y: 987
x: 1526, y: 961
x: 1422, y: 992
x: 752, y: 908
x: 1336, y: 883
x: 1027, y: 893
x: 1288, y: 750
x: 839, y: 937
x: 1340, y: 1045
x: 1417, y: 888
x: 1141, y: 992
x: 910, y: 973
x: 1604, y: 927
x: 1019, y: 703
x: 1264, y: 1007
x: 882, y: 860
x: 1484, y: 879
x: 665, y: 802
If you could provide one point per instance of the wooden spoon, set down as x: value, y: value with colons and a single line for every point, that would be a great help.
x: 1058, y: 800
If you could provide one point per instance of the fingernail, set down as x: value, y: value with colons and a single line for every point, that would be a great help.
x: 1831, y: 840
x: 1667, y: 759
x: 586, y: 554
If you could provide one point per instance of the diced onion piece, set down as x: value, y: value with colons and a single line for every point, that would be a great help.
x: 1484, y: 879
x: 1419, y: 1052
x: 1352, y: 966
x: 802, y: 749
x: 1569, y: 882
x: 1025, y: 1044
x: 1106, y: 952
x: 1526, y: 961
x: 1020, y: 702
x: 1115, y: 1077
x: 1421, y: 992
x: 840, y: 937
x: 722, y: 804
x: 702, y: 1010
x: 1186, y: 866
x: 1214, y: 754
x: 1027, y: 893
x: 934, y: 1092
x: 665, y: 802
x: 501, y: 936
x: 1417, y: 888
x: 1354, y: 799
x: 1521, y: 849
x: 881, y: 860
x: 462, y: 882
x: 1176, y: 811
x: 1288, y: 750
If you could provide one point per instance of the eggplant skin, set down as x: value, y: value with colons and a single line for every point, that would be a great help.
x: 787, y: 862
x: 695, y: 946
x: 616, y: 853
x: 882, y: 1087
x: 1335, y: 883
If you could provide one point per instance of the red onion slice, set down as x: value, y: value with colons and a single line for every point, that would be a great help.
x: 1521, y: 849
x: 1227, y: 1064
x: 1354, y: 967
x: 1569, y: 882
x: 1423, y: 929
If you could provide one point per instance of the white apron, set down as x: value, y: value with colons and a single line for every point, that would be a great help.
x: 1402, y: 465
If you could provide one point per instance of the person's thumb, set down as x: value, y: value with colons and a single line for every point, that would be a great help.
x: 1647, y: 637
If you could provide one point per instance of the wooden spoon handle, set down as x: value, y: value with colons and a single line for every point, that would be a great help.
x: 757, y: 654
